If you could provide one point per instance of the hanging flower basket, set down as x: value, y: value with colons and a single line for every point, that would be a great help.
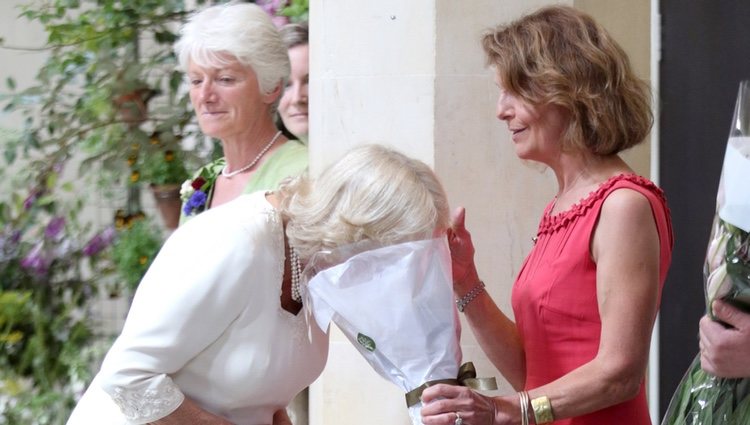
x: 168, y: 201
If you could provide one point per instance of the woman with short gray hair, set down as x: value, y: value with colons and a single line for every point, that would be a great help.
x: 237, y: 66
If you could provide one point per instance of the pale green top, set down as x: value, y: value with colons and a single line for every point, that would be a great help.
x: 288, y: 160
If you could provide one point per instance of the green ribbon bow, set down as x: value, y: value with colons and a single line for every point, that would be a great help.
x: 467, y: 377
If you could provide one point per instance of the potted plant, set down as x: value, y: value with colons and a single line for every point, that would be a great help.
x: 165, y: 170
x: 108, y: 84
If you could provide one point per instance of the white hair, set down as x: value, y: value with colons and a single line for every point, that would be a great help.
x: 242, y: 30
x: 372, y: 193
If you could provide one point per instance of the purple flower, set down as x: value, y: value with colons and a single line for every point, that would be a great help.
x: 196, y: 202
x: 272, y: 8
x: 100, y: 241
x: 29, y: 201
x: 54, y: 227
x: 35, y: 261
x: 9, y: 237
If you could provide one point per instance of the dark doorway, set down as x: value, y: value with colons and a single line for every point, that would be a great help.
x: 705, y: 54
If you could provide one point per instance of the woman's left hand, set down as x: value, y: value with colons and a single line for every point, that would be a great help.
x: 465, y: 275
x: 444, y: 404
x: 725, y: 351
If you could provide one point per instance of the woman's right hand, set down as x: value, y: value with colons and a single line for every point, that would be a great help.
x: 465, y: 274
x: 443, y: 404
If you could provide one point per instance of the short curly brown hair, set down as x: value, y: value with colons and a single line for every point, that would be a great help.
x: 559, y: 55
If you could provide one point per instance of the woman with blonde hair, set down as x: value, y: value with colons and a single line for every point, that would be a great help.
x: 215, y: 334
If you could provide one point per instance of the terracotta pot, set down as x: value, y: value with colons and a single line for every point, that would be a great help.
x: 133, y: 106
x: 167, y: 198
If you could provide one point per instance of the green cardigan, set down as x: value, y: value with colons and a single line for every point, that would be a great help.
x: 288, y: 160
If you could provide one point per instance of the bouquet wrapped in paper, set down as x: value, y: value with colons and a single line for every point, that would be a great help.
x: 395, y: 305
x: 701, y: 398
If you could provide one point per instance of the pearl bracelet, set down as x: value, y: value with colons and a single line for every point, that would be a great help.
x: 466, y: 299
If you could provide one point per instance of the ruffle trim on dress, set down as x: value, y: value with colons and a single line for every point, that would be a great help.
x: 553, y: 223
x: 143, y: 406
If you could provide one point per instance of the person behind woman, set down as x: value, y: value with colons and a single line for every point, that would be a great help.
x: 293, y: 119
x: 237, y: 66
x: 586, y: 297
x: 215, y: 334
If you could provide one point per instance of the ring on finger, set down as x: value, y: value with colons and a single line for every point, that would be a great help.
x: 459, y: 420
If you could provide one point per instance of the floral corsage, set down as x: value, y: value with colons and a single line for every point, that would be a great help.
x: 194, y: 192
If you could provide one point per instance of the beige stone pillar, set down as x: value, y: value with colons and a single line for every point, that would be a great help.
x: 411, y: 75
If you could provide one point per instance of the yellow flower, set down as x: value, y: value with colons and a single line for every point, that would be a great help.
x: 13, y: 337
x: 143, y: 260
x: 120, y: 219
x: 135, y: 176
x: 169, y: 156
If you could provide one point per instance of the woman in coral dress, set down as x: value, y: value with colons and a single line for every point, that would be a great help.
x: 586, y: 298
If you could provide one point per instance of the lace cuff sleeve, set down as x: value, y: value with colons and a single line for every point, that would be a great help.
x: 149, y: 402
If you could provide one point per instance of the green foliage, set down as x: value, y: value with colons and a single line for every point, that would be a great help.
x: 24, y: 402
x: 106, y: 91
x: 296, y: 10
x: 48, y: 276
x: 108, y: 84
x: 134, y: 250
x: 164, y: 166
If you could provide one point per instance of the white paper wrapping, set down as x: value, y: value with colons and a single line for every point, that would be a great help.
x: 395, y: 304
x: 734, y: 208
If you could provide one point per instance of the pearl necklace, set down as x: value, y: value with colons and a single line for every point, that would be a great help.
x: 296, y: 274
x: 229, y: 175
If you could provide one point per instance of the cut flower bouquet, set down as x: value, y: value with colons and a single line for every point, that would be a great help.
x: 701, y: 398
x: 395, y: 305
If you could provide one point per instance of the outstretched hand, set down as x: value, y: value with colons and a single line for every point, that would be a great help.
x: 725, y: 351
x: 465, y: 274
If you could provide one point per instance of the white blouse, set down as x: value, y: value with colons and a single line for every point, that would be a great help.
x: 206, y: 323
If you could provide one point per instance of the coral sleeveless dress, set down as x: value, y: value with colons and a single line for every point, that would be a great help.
x: 554, y: 297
